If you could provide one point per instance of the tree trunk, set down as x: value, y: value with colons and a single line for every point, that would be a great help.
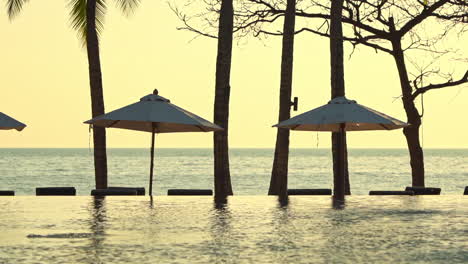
x: 97, y: 98
x: 222, y: 178
x: 335, y: 154
x: 411, y: 132
x: 337, y: 89
x: 279, y: 174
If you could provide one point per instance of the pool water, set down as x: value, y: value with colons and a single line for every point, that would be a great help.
x: 248, y: 229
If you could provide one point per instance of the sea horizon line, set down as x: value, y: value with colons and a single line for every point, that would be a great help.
x: 232, y: 148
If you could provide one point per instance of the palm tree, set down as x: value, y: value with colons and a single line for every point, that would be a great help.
x: 95, y: 82
x: 222, y: 177
x: 338, y: 89
x: 279, y: 174
x: 87, y: 18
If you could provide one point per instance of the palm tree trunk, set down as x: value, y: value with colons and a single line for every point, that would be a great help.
x: 411, y: 132
x: 279, y: 174
x: 337, y: 89
x: 222, y: 177
x: 97, y: 98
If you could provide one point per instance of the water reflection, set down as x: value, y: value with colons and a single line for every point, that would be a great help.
x: 337, y: 225
x: 411, y: 202
x: 220, y: 200
x: 98, y: 229
x: 338, y: 204
x: 151, y: 202
x: 284, y: 233
x: 283, y: 200
x: 224, y: 246
x: 244, y: 230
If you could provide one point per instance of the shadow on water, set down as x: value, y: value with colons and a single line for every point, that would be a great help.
x: 97, y: 225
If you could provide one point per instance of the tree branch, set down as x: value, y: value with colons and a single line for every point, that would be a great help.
x: 419, y: 18
x: 381, y: 33
x: 450, y: 83
x: 354, y: 41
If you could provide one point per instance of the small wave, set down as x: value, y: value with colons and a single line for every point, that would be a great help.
x: 65, y: 235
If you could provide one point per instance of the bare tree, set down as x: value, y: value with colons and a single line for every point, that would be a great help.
x: 203, y: 22
x: 216, y: 18
x: 337, y: 90
x: 279, y: 174
x: 222, y: 177
x: 389, y: 26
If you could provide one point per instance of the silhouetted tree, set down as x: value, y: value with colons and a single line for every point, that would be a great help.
x: 410, y: 89
x: 87, y: 17
x: 222, y: 177
x: 97, y: 96
x: 250, y: 18
x: 279, y: 174
x: 388, y: 26
x: 220, y: 17
x: 337, y: 90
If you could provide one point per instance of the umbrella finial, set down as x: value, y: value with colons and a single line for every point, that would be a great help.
x: 155, y: 92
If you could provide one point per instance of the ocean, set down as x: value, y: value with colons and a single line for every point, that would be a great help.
x: 23, y: 170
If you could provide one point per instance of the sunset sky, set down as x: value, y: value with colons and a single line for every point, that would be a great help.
x: 44, y: 82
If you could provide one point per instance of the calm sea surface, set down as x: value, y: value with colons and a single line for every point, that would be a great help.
x: 23, y: 170
x: 249, y: 229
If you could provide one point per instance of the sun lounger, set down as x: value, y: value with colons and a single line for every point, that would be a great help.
x: 424, y: 190
x: 309, y: 192
x: 113, y: 192
x: 42, y: 191
x: 7, y: 193
x: 189, y: 192
x: 391, y: 193
x: 139, y: 190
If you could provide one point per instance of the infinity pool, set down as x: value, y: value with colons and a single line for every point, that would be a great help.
x: 249, y: 229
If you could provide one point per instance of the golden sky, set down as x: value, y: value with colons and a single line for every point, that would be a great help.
x: 44, y: 82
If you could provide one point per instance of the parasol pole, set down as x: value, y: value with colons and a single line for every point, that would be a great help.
x: 152, y: 160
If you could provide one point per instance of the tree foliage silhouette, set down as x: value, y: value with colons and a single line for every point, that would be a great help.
x: 390, y: 26
x: 87, y: 17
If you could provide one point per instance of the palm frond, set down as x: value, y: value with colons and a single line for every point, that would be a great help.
x: 101, y: 9
x: 78, y: 17
x: 14, y: 7
x: 127, y: 6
